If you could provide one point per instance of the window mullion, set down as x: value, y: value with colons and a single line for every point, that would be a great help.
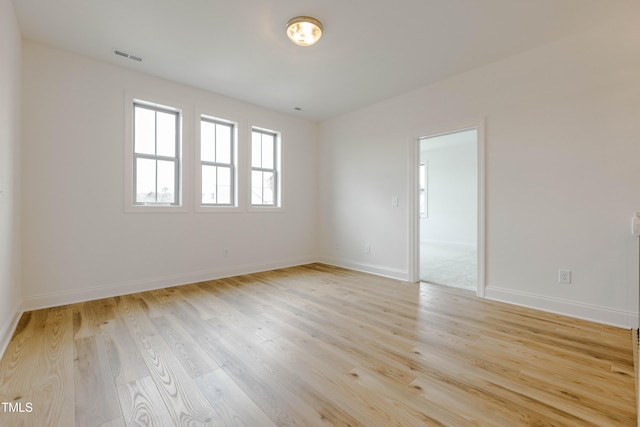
x: 263, y: 169
x: 224, y: 165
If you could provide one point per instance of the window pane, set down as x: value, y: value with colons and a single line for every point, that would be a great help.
x: 268, y: 147
x: 207, y: 141
x: 209, y: 184
x: 166, y: 134
x: 256, y: 188
x: 267, y: 185
x: 166, y: 182
x: 144, y: 131
x: 223, y: 144
x: 262, y: 188
x: 256, y: 150
x: 224, y: 185
x: 145, y: 181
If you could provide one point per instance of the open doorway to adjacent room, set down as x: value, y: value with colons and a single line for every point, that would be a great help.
x: 448, y: 209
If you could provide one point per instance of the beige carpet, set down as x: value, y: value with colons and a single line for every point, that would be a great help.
x: 449, y: 264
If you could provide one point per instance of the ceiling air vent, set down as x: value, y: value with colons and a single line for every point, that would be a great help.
x: 127, y: 55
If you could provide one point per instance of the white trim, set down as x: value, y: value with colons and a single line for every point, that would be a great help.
x: 186, y: 142
x: 55, y: 299
x: 414, y: 217
x: 378, y: 270
x: 609, y: 316
x: 482, y: 195
x: 197, y: 164
x: 7, y: 331
x: 279, y: 206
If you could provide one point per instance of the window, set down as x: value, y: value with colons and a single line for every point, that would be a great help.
x: 156, y: 155
x: 217, y: 162
x: 264, y: 168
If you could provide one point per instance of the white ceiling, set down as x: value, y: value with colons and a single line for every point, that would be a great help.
x: 371, y: 49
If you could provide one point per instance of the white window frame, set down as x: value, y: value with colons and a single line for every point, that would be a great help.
x: 236, y: 205
x: 130, y: 206
x: 277, y: 170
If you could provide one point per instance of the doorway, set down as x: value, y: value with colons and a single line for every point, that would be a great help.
x: 449, y: 218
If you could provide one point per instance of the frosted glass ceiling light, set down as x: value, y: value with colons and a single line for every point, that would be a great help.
x: 304, y: 30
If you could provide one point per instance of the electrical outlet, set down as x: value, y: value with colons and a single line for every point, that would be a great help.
x: 225, y: 252
x: 564, y: 276
x: 367, y: 249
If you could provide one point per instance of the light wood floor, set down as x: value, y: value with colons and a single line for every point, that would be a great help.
x: 314, y: 346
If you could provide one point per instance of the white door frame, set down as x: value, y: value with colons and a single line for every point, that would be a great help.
x: 414, y: 199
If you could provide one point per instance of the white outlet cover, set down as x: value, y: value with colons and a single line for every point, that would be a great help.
x: 564, y: 276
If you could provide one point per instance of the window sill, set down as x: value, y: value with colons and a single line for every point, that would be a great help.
x: 268, y: 209
x: 218, y: 209
x: 155, y: 209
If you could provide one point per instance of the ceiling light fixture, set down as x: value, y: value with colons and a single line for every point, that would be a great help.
x: 304, y: 30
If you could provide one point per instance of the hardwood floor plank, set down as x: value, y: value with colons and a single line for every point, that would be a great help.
x: 130, y: 309
x: 193, y: 358
x: 267, y: 389
x: 96, y: 400
x: 89, y: 316
x: 125, y: 361
x: 183, y: 312
x: 151, y: 305
x: 142, y: 404
x: 247, y: 307
x: 55, y: 389
x: 200, y: 300
x: 230, y: 402
x: 411, y: 408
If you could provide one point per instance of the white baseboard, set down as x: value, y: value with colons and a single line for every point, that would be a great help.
x: 55, y: 299
x: 378, y: 270
x: 608, y: 316
x: 9, y: 328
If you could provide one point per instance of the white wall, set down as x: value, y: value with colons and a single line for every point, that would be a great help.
x: 78, y: 242
x: 562, y: 174
x: 10, y: 66
x: 452, y: 175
